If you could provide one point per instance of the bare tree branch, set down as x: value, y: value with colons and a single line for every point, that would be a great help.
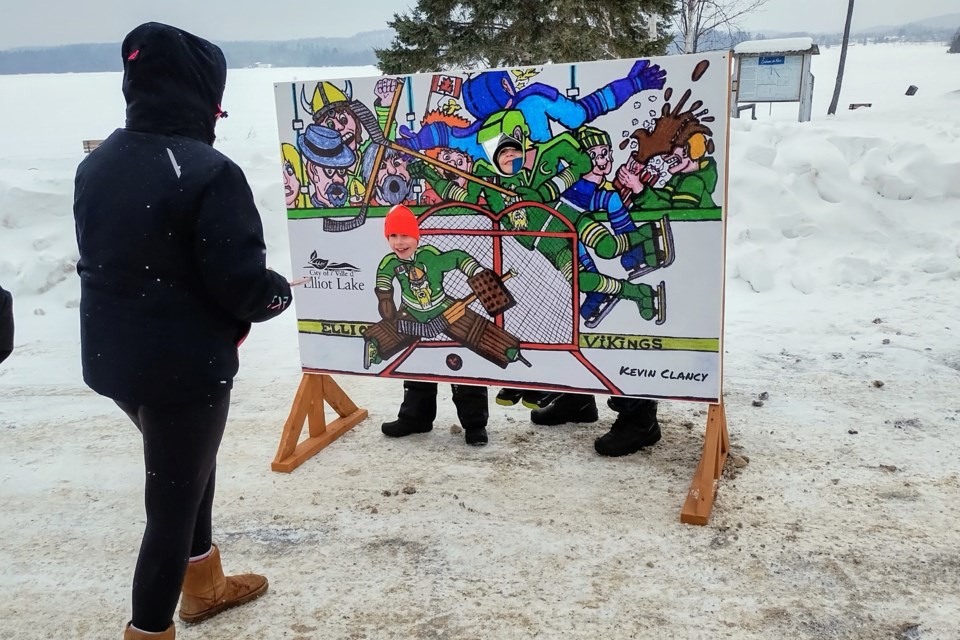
x: 697, y: 19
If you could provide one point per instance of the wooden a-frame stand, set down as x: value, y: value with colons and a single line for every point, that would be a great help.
x: 315, y: 389
x: 703, y: 488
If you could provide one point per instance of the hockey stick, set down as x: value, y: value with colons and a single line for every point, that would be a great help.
x: 369, y: 122
x: 380, y: 139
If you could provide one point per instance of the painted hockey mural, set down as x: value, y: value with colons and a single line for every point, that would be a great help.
x: 571, y: 220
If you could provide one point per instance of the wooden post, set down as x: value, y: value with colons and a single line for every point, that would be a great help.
x: 315, y: 389
x: 703, y: 488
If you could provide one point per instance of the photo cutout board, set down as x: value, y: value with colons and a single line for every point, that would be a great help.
x: 571, y: 222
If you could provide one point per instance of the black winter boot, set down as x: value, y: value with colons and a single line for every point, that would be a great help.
x: 567, y: 407
x: 400, y: 427
x: 475, y: 436
x: 417, y: 411
x: 507, y: 397
x: 538, y: 399
x: 636, y: 427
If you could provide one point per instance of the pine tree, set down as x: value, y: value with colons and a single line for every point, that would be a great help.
x: 447, y: 34
x: 955, y: 43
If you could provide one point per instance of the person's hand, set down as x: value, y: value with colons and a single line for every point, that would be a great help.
x: 648, y: 176
x: 421, y: 170
x: 528, y: 194
x: 299, y: 281
x: 628, y: 175
x: 373, y: 353
x: 385, y: 90
x: 647, y: 76
x: 430, y: 136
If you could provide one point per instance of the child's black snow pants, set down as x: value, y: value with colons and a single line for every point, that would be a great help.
x: 420, y: 403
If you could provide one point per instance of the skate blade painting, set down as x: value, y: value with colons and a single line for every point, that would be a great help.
x: 534, y: 190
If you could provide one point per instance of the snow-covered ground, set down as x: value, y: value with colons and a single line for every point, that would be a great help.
x: 837, y: 514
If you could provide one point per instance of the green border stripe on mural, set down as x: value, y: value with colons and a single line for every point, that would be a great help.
x: 676, y: 215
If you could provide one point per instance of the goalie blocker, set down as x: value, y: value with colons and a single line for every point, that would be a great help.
x: 491, y: 291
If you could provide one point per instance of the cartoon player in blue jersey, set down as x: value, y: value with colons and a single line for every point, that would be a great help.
x: 491, y: 91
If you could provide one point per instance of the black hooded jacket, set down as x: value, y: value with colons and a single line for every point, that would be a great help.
x: 172, y: 258
x: 6, y: 324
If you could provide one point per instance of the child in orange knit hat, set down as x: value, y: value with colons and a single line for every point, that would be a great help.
x: 419, y: 407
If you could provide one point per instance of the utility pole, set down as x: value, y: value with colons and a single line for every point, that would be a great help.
x: 843, y: 61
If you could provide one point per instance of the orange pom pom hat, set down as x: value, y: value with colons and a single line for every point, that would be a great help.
x: 401, y: 221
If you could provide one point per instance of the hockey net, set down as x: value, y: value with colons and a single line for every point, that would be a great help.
x: 546, y: 301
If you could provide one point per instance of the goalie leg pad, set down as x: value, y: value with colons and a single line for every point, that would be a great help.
x: 485, y: 339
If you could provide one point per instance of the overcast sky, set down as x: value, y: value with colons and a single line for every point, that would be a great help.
x: 829, y: 15
x: 54, y: 22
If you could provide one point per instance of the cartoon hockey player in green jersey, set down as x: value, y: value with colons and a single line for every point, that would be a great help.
x: 425, y: 309
x: 596, y: 198
x: 541, y: 172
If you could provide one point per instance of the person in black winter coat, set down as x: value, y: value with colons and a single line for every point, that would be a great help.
x: 172, y: 272
x: 6, y: 324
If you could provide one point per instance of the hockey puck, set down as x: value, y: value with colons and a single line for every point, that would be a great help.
x: 454, y: 361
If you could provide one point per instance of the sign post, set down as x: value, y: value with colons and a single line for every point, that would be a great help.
x: 774, y: 71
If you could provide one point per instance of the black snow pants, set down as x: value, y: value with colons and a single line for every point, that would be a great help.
x: 420, y: 403
x: 640, y: 409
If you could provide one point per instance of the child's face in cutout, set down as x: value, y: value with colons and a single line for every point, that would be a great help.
x: 403, y: 246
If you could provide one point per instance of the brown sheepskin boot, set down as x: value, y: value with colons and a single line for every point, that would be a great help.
x: 132, y: 634
x: 207, y: 592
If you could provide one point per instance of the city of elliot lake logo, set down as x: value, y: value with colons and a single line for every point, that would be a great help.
x: 325, y: 274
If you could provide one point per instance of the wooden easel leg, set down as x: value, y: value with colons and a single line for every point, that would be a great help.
x: 703, y: 488
x: 314, y: 390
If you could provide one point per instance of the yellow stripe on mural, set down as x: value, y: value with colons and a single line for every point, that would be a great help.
x: 624, y: 342
x: 344, y: 328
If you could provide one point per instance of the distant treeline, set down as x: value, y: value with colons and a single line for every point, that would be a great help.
x: 358, y: 49
x: 313, y: 52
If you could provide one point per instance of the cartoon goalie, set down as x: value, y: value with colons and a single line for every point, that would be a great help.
x: 425, y: 309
